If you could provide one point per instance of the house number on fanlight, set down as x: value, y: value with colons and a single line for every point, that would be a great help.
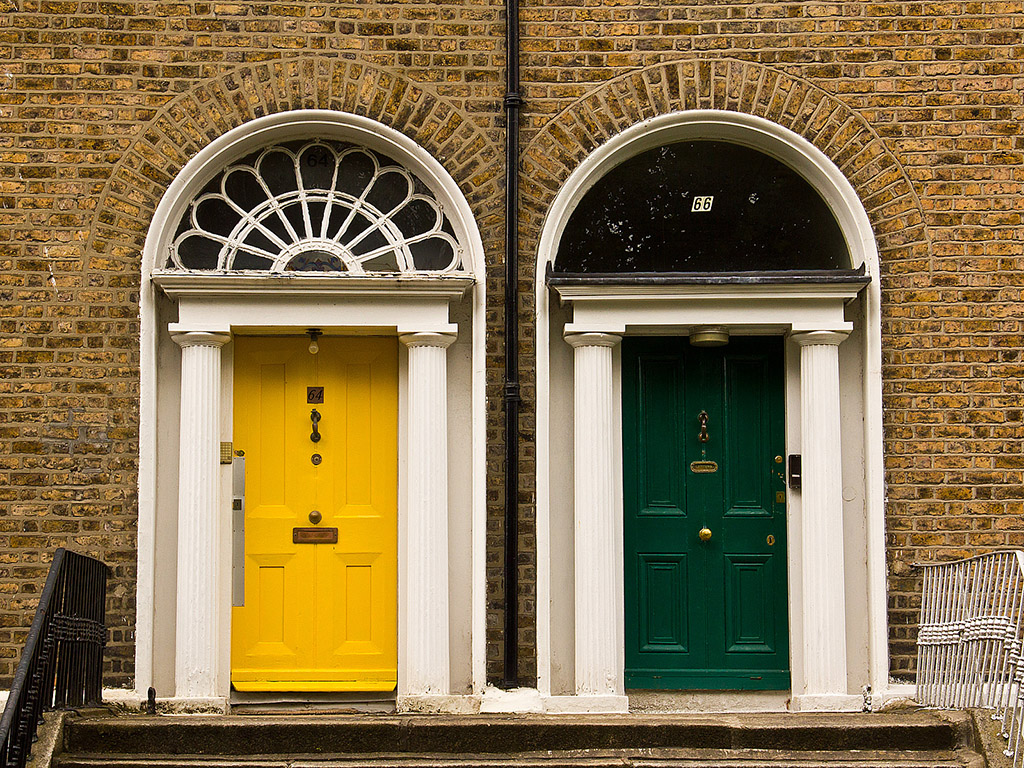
x: 702, y: 203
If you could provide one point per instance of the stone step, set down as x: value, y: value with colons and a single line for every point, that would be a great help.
x: 367, y: 734
x: 696, y: 758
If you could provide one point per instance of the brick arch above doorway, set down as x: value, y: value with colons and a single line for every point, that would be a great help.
x: 192, y: 120
x: 876, y: 174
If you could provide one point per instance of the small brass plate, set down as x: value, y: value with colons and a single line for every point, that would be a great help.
x: 703, y: 467
x: 225, y: 453
x: 314, y: 535
x: 780, y: 497
x: 770, y: 540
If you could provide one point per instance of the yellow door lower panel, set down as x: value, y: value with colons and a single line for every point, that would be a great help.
x: 317, y: 616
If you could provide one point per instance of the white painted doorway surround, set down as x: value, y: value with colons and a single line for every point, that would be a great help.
x: 836, y: 560
x: 188, y: 321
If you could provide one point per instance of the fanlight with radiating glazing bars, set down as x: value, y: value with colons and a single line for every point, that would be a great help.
x: 316, y: 206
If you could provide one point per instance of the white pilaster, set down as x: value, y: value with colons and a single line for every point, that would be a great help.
x: 426, y: 587
x: 824, y: 603
x: 598, y: 666
x: 198, y: 615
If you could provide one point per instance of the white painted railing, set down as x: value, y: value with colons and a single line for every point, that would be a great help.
x: 969, y: 640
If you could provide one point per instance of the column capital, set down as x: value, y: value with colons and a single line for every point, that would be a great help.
x: 822, y: 338
x: 441, y: 339
x: 592, y: 339
x: 200, y: 339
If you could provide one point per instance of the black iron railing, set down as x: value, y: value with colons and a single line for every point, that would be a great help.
x: 62, y: 663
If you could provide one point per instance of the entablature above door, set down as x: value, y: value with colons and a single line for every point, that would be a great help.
x: 400, y: 304
x: 757, y: 302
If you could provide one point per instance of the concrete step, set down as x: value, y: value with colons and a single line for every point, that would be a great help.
x: 921, y: 740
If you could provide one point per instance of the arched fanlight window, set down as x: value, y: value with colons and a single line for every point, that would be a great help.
x: 701, y: 206
x: 315, y: 206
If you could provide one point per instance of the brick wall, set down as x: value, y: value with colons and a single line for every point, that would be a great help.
x: 102, y: 103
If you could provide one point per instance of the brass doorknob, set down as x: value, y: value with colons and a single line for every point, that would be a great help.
x: 704, y: 534
x: 315, y: 517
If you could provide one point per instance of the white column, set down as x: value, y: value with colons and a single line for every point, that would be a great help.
x: 198, y: 616
x: 426, y: 587
x: 598, y: 669
x: 824, y: 603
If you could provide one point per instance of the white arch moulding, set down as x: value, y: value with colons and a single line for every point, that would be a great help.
x: 609, y: 313
x: 199, y: 307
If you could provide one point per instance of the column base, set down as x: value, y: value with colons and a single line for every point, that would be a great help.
x: 438, y: 704
x: 496, y: 701
x: 905, y: 693
x: 827, y: 702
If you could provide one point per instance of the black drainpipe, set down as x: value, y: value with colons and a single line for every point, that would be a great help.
x: 513, y: 101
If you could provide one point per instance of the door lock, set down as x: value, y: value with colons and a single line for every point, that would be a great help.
x: 704, y: 534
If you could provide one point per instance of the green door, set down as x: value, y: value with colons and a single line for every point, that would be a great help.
x: 702, y: 449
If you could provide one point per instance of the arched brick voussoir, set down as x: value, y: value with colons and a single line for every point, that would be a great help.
x: 555, y: 150
x: 213, y: 107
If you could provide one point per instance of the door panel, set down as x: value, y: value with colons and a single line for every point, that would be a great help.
x: 749, y: 583
x: 701, y: 430
x: 748, y: 428
x: 663, y: 625
x: 318, y: 616
x: 660, y: 455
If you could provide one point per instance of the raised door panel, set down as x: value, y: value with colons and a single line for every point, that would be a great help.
x: 746, y: 465
x: 663, y: 603
x: 661, y: 483
x: 751, y: 625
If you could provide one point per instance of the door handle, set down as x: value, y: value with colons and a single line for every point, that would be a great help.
x: 314, y: 416
x: 704, y: 534
x: 238, y: 530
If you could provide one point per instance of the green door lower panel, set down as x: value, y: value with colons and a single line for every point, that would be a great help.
x: 702, y: 449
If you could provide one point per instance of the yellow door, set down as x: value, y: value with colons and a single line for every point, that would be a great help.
x: 318, y: 616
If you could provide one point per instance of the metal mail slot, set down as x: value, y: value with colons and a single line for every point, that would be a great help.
x: 314, y: 535
x: 703, y: 467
